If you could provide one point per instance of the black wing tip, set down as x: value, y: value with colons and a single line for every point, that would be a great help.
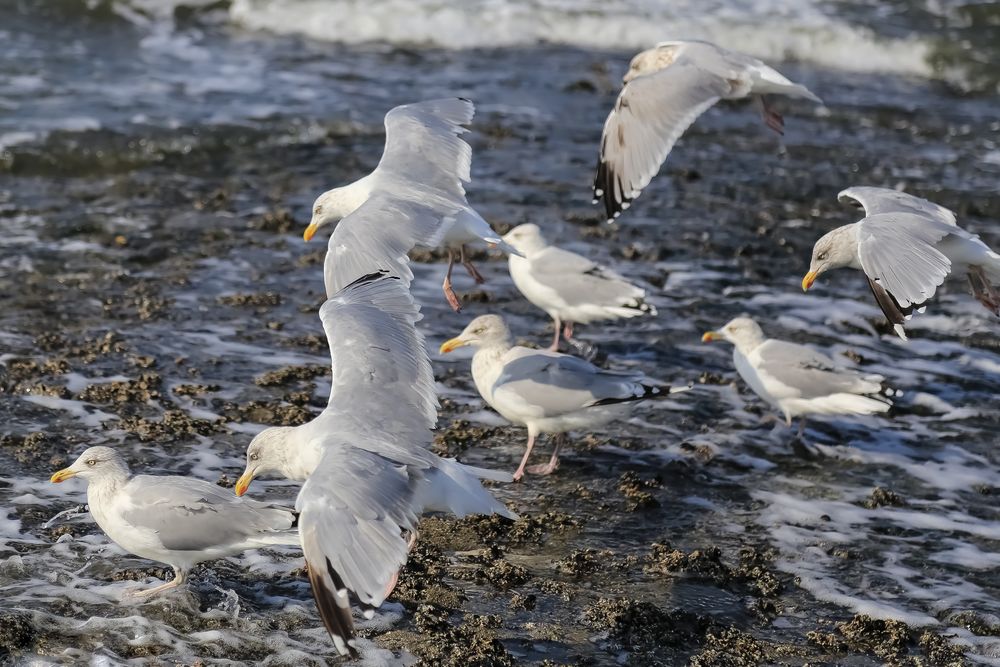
x: 336, y: 619
x: 372, y: 277
x: 893, y: 312
x: 604, y: 188
x: 649, y: 391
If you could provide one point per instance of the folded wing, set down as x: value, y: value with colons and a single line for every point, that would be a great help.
x: 809, y: 374
x: 548, y: 384
x: 190, y: 514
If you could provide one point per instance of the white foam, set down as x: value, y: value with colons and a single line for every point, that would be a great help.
x: 771, y: 29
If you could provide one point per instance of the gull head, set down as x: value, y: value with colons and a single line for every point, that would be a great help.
x: 484, y: 331
x: 743, y: 332
x: 833, y: 250
x: 267, y: 453
x: 651, y: 60
x: 328, y: 207
x: 526, y: 239
x: 95, y: 463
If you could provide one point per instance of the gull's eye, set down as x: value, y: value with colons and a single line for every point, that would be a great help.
x: 318, y: 210
x: 92, y: 462
x: 822, y: 255
x: 479, y: 331
x: 255, y: 456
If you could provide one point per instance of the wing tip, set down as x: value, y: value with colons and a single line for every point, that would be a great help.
x: 336, y: 618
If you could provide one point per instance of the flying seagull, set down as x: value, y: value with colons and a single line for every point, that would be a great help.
x: 906, y: 246
x: 368, y: 471
x: 666, y: 88
x: 425, y: 162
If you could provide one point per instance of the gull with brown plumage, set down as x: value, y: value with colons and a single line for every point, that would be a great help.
x: 666, y: 88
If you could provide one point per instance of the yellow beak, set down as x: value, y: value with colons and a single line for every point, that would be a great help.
x: 808, y: 281
x: 243, y: 483
x: 452, y: 344
x: 62, y: 475
x: 310, y: 231
x: 709, y: 336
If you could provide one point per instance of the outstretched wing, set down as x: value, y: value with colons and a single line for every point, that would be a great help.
x: 897, y: 251
x: 380, y: 362
x: 423, y: 145
x: 884, y: 200
x: 651, y: 114
x: 377, y: 429
x: 351, y: 513
x: 377, y: 237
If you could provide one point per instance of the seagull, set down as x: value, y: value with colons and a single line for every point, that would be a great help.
x: 365, y: 459
x: 666, y: 88
x: 546, y: 391
x: 906, y: 246
x: 796, y: 379
x: 424, y: 162
x: 175, y: 520
x: 569, y: 287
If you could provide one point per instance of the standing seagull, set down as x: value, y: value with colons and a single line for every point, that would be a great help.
x: 547, y: 392
x: 365, y: 459
x: 796, y: 379
x: 666, y: 88
x: 175, y: 520
x: 569, y: 287
x: 906, y: 246
x: 424, y: 162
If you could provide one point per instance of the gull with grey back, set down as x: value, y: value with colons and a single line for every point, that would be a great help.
x: 569, y: 287
x: 907, y: 247
x: 422, y: 170
x: 797, y: 379
x: 666, y: 88
x: 180, y: 521
x: 368, y: 471
x: 546, y: 391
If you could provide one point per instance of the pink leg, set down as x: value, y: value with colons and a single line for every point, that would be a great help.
x: 470, y: 267
x: 395, y: 577
x: 449, y: 293
x: 568, y: 331
x: 770, y: 117
x: 553, y: 463
x: 555, y: 339
x: 524, y: 460
x: 179, y: 578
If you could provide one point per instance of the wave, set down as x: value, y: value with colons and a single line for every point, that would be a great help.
x: 777, y: 30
